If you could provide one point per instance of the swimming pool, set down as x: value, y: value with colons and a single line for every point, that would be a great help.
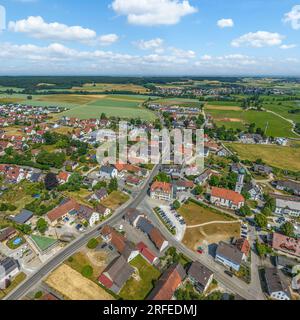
x: 17, y: 241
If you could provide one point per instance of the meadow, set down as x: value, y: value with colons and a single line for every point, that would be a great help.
x: 277, y: 156
x: 276, y: 126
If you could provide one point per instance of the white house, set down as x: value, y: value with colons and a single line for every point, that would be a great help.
x: 9, y: 268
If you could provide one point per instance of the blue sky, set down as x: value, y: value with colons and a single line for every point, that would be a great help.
x: 151, y: 37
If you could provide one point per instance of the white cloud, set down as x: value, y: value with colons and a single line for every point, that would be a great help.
x: 108, y: 39
x: 225, y: 23
x: 150, y: 44
x: 258, y: 39
x: 36, y: 27
x: 293, y: 17
x: 288, y: 46
x: 153, y: 12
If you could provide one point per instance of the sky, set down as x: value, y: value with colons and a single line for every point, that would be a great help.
x: 150, y: 37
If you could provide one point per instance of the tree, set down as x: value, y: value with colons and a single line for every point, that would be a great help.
x: 113, y: 185
x: 245, y: 211
x: 51, y: 181
x: 93, y: 243
x: 176, y: 205
x: 287, y: 229
x: 162, y: 177
x: 42, y: 225
x: 87, y: 271
x: 261, y: 220
x: 198, y: 190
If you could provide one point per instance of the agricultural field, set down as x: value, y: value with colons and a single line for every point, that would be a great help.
x: 195, y: 214
x: 283, y: 108
x: 139, y: 286
x: 90, y: 87
x: 73, y: 286
x: 179, y: 101
x: 277, y: 156
x: 276, y: 126
x: 209, y: 234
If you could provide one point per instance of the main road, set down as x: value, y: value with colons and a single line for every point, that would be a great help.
x: 72, y: 248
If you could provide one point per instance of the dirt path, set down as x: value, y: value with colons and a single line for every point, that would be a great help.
x: 212, y: 222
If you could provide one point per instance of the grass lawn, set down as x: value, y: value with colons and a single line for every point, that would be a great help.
x: 277, y: 156
x: 139, y: 289
x: 212, y: 233
x: 195, y: 214
x: 115, y: 200
x: 15, y: 282
x: 277, y: 127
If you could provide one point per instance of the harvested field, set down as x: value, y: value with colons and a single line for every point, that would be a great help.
x: 73, y: 286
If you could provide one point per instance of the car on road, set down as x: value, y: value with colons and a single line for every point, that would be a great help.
x: 230, y: 274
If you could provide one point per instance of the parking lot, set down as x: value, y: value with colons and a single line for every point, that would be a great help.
x: 173, y: 220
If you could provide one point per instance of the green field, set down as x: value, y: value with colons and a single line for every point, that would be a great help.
x: 277, y: 156
x: 276, y: 126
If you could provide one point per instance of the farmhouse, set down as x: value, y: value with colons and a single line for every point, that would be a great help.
x: 227, y: 198
x: 276, y: 286
x: 200, y: 276
x: 229, y: 255
x: 168, y: 283
x: 116, y: 274
x: 161, y: 191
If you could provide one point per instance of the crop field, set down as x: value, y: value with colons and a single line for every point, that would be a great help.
x: 222, y: 107
x: 111, y: 87
x: 277, y: 156
x: 179, y: 102
x: 276, y: 126
x: 73, y: 286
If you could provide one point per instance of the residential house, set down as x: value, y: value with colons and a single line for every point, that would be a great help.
x: 168, y: 283
x: 288, y: 185
x: 102, y: 210
x: 226, y: 198
x: 285, y: 263
x: 200, y: 276
x: 98, y: 195
x: 244, y: 246
x: 254, y: 190
x: 7, y: 234
x: 132, y: 216
x: 286, y: 205
x: 107, y: 172
x: 223, y: 153
x: 161, y: 191
x: 88, y: 215
x: 286, y: 245
x: 204, y: 177
x: 122, y: 245
x: 253, y: 138
x: 144, y: 225
x: 9, y: 268
x: 147, y: 254
x: 262, y: 169
x: 23, y: 217
x: 237, y: 168
x: 183, y: 185
x: 229, y: 255
x: 133, y: 181
x: 116, y: 274
x: 276, y: 286
x: 63, y: 177
x: 66, y: 207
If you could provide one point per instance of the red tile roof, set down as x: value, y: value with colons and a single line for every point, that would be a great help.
x: 157, y: 238
x: 105, y: 281
x: 161, y: 186
x: 145, y: 252
x: 243, y: 245
x: 62, y: 209
x: 227, y: 194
